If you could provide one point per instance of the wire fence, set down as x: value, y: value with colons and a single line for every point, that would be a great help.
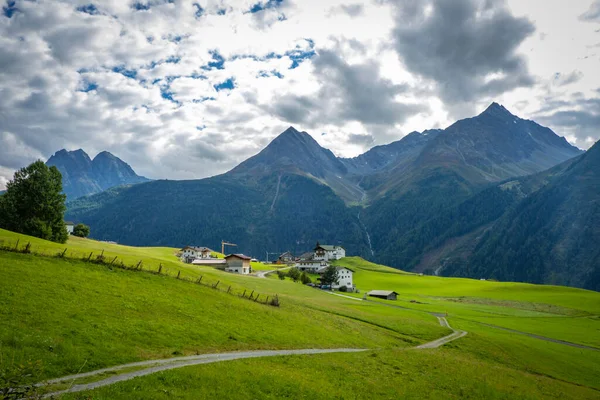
x: 111, y: 261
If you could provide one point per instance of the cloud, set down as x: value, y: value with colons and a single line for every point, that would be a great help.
x: 592, y: 14
x: 577, y: 119
x: 564, y: 80
x: 352, y: 10
x: 467, y: 48
x: 347, y: 92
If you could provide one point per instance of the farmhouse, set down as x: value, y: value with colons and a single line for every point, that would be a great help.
x: 70, y: 226
x: 344, y: 277
x: 285, y: 258
x: 238, y: 264
x: 383, y: 294
x: 309, y: 264
x: 327, y: 252
x: 191, y: 253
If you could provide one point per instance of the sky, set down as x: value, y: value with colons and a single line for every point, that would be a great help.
x: 185, y: 89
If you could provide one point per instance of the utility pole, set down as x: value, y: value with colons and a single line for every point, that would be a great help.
x: 223, y: 244
x: 270, y: 252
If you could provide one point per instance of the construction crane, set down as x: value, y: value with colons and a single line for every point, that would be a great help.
x: 223, y: 244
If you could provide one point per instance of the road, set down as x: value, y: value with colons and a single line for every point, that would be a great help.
x: 263, y: 274
x: 178, y: 362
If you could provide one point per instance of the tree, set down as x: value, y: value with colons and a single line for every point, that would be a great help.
x: 304, y: 278
x: 81, y: 230
x: 330, y: 276
x: 280, y: 274
x: 294, y: 273
x: 34, y: 203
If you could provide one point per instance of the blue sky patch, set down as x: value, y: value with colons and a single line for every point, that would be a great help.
x: 88, y: 9
x: 217, y: 63
x: 10, y: 9
x: 129, y: 73
x: 199, y: 10
x: 227, y: 85
x: 299, y: 55
x: 173, y: 60
x: 265, y: 5
x: 88, y: 86
x: 222, y: 11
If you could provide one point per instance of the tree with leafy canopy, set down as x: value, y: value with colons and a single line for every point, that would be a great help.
x: 294, y: 273
x: 330, y: 276
x: 34, y: 203
x: 81, y: 230
x: 304, y: 278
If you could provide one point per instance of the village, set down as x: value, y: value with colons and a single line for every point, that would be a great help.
x: 317, y: 262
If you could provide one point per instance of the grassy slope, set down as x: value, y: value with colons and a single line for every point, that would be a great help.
x: 554, y: 311
x: 391, y: 374
x: 70, y: 314
x: 109, y: 317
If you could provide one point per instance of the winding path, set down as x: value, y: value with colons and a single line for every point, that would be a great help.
x: 178, y: 362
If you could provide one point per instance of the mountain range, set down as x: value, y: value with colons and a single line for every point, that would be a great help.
x: 83, y: 176
x: 488, y: 197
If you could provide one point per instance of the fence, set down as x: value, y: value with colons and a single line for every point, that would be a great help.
x: 114, y: 262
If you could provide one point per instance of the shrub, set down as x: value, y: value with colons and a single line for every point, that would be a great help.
x: 343, y: 289
x: 304, y: 278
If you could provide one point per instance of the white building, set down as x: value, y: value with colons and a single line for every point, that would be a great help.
x: 327, y: 252
x: 70, y: 226
x: 344, y: 277
x: 191, y: 253
x: 311, y: 265
x: 238, y: 264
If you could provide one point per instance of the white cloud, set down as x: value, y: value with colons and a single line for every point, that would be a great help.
x: 143, y: 83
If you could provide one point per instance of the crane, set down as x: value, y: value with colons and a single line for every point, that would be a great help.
x: 223, y: 244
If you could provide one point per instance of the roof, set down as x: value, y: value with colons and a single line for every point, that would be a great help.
x: 240, y: 256
x: 287, y: 253
x: 322, y: 270
x: 381, y: 292
x: 69, y: 223
x: 328, y: 247
x: 208, y: 261
x: 307, y: 256
x: 201, y: 249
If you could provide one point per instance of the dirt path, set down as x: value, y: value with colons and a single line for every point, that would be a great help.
x: 263, y: 274
x: 178, y: 362
x: 172, y: 363
x: 442, y: 341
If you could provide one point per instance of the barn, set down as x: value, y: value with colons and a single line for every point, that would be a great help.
x: 383, y: 294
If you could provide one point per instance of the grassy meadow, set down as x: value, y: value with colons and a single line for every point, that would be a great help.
x: 69, y: 316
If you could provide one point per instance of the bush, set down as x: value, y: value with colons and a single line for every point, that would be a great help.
x: 294, y: 273
x: 343, y: 289
x: 304, y: 278
x: 281, y: 274
x: 81, y: 230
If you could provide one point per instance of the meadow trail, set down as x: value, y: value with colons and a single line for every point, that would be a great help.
x: 178, y: 362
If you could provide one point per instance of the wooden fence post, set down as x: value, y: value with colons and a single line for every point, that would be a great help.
x: 228, y: 289
x: 160, y: 268
x: 63, y: 253
x: 114, y: 259
x: 256, y: 298
x: 90, y: 256
x: 17, y: 245
x: 200, y: 279
x: 178, y: 274
x: 244, y: 294
x: 216, y: 284
x: 251, y: 295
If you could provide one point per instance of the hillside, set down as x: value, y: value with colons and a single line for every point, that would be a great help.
x: 83, y: 176
x: 101, y: 316
x: 551, y: 236
x: 415, y: 204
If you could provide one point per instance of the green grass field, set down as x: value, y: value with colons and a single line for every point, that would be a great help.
x: 69, y: 316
